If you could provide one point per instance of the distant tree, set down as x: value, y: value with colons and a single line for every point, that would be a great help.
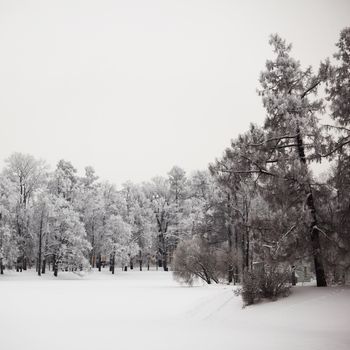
x: 139, y: 215
x: 64, y: 180
x: 238, y: 175
x: 90, y: 178
x: 179, y: 207
x: 89, y: 203
x: 27, y: 175
x: 117, y: 241
x: 177, y: 180
x: 8, y: 240
x: 158, y: 192
x: 68, y: 245
x: 42, y: 212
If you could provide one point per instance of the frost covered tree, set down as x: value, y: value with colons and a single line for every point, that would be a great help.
x: 238, y: 174
x: 64, y: 180
x: 8, y: 240
x: 67, y: 243
x: 158, y: 192
x: 139, y: 215
x: 334, y: 198
x: 42, y: 212
x: 117, y: 242
x: 168, y: 202
x: 338, y: 94
x: 89, y: 203
x: 180, y: 207
x: 292, y: 129
x: 26, y: 174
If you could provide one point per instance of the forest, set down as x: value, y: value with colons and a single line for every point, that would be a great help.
x: 259, y: 209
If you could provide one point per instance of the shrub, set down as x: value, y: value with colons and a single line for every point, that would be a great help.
x: 271, y: 282
x: 250, y: 290
x: 194, y: 259
x: 275, y: 283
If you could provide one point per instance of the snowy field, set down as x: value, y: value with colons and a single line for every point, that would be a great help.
x: 149, y: 310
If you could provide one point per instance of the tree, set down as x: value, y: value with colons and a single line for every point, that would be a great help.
x: 338, y: 94
x: 158, y: 192
x: 117, y: 240
x: 179, y: 204
x: 139, y: 215
x: 67, y: 243
x: 8, y: 240
x: 26, y: 175
x: 334, y: 198
x: 42, y: 213
x: 64, y: 180
x: 238, y: 174
x: 292, y: 128
x: 89, y: 203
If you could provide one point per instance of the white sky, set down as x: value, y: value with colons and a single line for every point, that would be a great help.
x: 134, y: 87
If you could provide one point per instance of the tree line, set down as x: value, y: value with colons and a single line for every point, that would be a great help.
x: 258, y: 206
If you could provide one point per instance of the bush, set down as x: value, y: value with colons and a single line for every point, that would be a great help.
x: 194, y: 259
x: 250, y: 290
x: 275, y: 283
x: 271, y: 282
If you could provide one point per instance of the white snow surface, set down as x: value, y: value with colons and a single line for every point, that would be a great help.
x: 149, y: 310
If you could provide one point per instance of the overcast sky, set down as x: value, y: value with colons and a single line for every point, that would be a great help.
x: 134, y: 87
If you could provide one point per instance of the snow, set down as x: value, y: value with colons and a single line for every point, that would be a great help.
x: 149, y: 310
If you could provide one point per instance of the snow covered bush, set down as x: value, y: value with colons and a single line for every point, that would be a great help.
x: 274, y: 282
x: 250, y: 290
x: 195, y: 259
x: 270, y: 282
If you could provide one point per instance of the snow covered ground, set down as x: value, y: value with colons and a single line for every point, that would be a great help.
x: 149, y: 310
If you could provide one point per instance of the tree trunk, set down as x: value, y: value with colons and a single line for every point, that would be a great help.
x: 247, y: 243
x: 293, y: 277
x: 207, y: 278
x: 19, y: 264
x: 93, y: 262
x: 1, y: 267
x: 55, y: 267
x: 140, y: 259
x: 230, y: 245
x: 162, y: 248
x: 40, y: 245
x: 246, y: 235
x: 113, y: 263
x: 164, y: 260
x: 244, y: 251
x: 43, y: 270
x: 99, y: 262
x: 314, y: 232
x: 236, y: 277
x: 93, y: 255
